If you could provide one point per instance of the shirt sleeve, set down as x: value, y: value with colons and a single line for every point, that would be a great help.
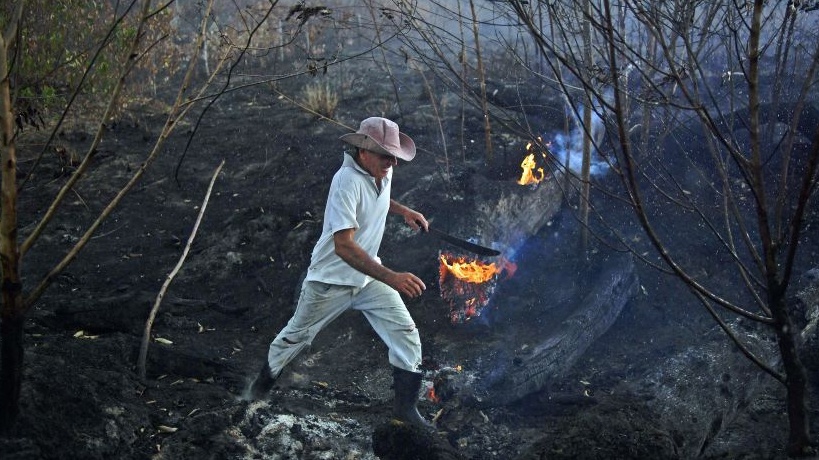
x: 342, y: 203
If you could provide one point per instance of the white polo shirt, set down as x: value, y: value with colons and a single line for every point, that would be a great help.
x: 353, y: 202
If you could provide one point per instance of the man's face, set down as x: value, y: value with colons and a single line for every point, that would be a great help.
x: 376, y: 164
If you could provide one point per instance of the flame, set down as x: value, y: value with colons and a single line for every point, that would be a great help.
x: 431, y: 394
x: 530, y: 175
x: 471, y: 272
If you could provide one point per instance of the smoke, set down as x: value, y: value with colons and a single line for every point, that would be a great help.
x: 567, y: 149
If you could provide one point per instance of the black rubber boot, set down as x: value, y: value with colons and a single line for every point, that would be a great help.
x: 263, y: 383
x: 407, y: 385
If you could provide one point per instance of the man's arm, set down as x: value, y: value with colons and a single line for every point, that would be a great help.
x: 412, y: 217
x: 350, y: 252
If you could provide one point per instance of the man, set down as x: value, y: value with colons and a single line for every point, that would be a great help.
x: 346, y: 273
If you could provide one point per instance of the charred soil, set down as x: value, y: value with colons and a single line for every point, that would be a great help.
x: 82, y: 397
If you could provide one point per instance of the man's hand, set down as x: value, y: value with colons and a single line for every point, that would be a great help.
x: 407, y: 284
x: 417, y: 221
x: 413, y: 218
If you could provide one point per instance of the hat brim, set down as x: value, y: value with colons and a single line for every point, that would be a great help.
x: 405, y: 152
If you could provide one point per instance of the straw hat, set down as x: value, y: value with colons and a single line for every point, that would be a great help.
x: 381, y: 135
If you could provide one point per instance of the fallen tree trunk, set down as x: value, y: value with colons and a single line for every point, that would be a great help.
x: 608, y: 282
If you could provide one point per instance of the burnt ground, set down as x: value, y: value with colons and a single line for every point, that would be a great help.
x: 82, y: 397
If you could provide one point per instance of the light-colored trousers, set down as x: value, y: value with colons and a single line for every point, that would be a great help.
x: 321, y: 303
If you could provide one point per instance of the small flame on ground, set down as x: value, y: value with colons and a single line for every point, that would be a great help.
x: 431, y: 394
x: 531, y: 173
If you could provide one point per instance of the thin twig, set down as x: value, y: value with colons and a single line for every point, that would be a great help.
x: 434, y: 105
x: 143, y: 350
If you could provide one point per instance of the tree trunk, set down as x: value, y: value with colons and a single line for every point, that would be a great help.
x: 11, y: 315
x: 487, y: 125
x: 585, y: 173
x: 11, y: 372
x: 796, y: 379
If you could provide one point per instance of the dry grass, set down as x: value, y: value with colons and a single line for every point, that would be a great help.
x: 321, y: 99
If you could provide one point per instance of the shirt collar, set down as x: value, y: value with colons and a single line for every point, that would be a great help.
x: 350, y: 162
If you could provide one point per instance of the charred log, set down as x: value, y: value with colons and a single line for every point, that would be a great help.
x: 610, y: 283
x: 466, y: 292
x: 506, y: 214
x: 495, y: 213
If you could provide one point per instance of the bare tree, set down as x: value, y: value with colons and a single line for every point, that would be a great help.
x: 12, y: 312
x: 752, y: 150
x: 17, y: 301
x: 585, y: 170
